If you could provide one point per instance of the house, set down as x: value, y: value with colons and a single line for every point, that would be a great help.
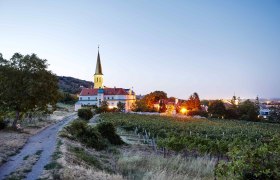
x: 99, y: 93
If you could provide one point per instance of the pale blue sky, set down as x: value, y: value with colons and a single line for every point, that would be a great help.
x: 212, y: 47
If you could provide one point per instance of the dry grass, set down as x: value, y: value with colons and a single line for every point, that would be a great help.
x: 138, y: 166
x: 134, y: 162
x: 11, y: 142
x: 75, y: 168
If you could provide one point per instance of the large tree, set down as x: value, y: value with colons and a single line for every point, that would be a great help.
x: 217, y: 109
x: 154, y: 97
x: 26, y: 85
x: 248, y: 110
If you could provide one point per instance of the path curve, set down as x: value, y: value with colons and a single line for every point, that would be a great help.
x: 45, y: 141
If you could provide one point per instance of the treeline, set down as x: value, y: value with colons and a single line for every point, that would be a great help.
x: 246, y: 110
x: 72, y: 85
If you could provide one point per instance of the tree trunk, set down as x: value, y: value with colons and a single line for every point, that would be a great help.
x: 16, y: 120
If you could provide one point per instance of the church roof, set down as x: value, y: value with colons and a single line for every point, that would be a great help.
x: 98, y: 70
x: 107, y: 91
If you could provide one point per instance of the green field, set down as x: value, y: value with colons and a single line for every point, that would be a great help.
x: 246, y: 149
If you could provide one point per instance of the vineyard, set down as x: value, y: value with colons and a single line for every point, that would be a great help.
x: 243, y: 149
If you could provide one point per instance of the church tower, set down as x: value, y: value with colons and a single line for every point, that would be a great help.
x: 98, y: 76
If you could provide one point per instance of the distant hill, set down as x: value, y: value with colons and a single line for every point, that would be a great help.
x: 72, y: 85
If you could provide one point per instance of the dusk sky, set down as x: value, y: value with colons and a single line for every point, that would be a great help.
x: 215, y: 48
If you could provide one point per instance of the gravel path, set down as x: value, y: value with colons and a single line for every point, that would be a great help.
x: 45, y: 141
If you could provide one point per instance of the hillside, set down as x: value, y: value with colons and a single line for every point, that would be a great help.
x: 72, y: 85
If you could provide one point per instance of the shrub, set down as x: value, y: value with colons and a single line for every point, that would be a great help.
x: 86, y: 134
x: 108, y: 131
x: 85, y: 114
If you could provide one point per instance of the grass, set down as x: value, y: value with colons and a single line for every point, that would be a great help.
x: 87, y: 158
x: 39, y: 152
x: 52, y: 165
x: 25, y: 157
x: 27, y: 170
x: 137, y: 166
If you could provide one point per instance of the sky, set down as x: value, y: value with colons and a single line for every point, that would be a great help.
x: 215, y: 48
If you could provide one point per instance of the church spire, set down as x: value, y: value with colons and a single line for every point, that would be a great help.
x: 98, y: 70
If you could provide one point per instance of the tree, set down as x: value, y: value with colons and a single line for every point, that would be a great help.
x: 154, y: 97
x: 248, y: 111
x: 197, y: 105
x: 121, y: 106
x: 26, y: 85
x: 274, y: 114
x: 217, y: 109
x: 162, y: 106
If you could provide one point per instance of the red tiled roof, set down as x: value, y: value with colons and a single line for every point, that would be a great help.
x: 107, y: 91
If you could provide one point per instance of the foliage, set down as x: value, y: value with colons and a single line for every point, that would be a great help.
x: 103, y: 108
x: 95, y: 137
x: 108, y: 131
x: 86, y: 134
x: 274, y: 114
x: 162, y: 106
x: 254, y: 161
x: 72, y: 85
x: 170, y: 109
x: 193, y: 105
x: 248, y: 111
x: 85, y: 113
x: 250, y: 146
x: 26, y: 85
x: 146, y: 104
x: 198, y: 113
x: 121, y: 106
x: 154, y: 97
x: 86, y: 157
x: 68, y: 98
x: 217, y: 109
x: 140, y: 106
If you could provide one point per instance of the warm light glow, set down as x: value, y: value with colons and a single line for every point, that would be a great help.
x: 110, y: 107
x: 184, y: 110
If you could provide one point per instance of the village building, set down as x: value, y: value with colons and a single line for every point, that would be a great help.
x: 99, y: 93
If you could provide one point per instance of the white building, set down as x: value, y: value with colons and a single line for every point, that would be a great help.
x: 99, y: 93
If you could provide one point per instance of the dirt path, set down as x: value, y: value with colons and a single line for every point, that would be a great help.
x: 45, y: 142
x: 93, y: 121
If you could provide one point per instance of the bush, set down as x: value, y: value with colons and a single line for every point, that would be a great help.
x: 85, y: 114
x: 86, y: 134
x: 108, y: 131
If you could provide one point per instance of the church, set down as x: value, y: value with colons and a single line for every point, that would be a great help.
x: 94, y: 96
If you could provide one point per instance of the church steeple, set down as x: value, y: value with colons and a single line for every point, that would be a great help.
x: 98, y: 70
x: 98, y: 76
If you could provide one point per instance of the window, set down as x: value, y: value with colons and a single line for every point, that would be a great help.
x: 81, y: 98
x: 88, y: 98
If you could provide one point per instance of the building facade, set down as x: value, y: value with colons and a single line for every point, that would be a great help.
x: 99, y: 93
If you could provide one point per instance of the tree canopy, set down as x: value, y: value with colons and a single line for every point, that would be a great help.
x: 26, y: 84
